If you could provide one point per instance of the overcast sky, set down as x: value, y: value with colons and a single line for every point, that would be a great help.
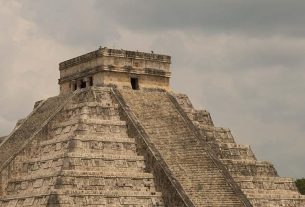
x: 242, y: 60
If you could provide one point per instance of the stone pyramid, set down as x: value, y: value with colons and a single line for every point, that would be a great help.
x: 118, y: 136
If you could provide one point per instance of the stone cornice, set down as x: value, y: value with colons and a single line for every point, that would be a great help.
x: 106, y: 52
x: 110, y: 68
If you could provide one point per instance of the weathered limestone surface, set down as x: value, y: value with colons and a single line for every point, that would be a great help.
x: 108, y: 67
x: 81, y: 150
x: 187, y: 159
x: 82, y: 157
x: 257, y: 179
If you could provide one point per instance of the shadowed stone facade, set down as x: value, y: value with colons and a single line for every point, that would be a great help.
x: 117, y: 136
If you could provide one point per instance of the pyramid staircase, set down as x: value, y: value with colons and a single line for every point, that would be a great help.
x: 258, y: 179
x: 191, y: 163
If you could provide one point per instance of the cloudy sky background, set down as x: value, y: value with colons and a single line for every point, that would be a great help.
x: 242, y: 60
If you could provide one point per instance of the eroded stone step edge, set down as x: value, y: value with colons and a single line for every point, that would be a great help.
x: 210, y: 128
x: 275, y: 197
x: 106, y: 132
x: 274, y: 179
x: 110, y: 193
x: 105, y: 174
x: 246, y: 162
x: 73, y: 193
x: 93, y: 104
x: 85, y: 156
x: 269, y: 186
x: 87, y: 138
x: 73, y: 173
x: 89, y: 122
x: 271, y: 192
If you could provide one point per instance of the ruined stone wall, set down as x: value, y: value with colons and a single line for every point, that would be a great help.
x: 122, y: 80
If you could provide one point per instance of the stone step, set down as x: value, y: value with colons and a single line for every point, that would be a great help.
x: 86, y: 174
x: 201, y: 117
x: 185, y: 156
x: 249, y: 167
x: 89, y: 110
x: 277, y: 193
x: 111, y: 201
x: 197, y: 116
x: 272, y: 183
x: 87, y: 137
x: 94, y: 133
x: 278, y: 196
x: 81, y: 183
x: 112, y: 193
x: 89, y: 121
x: 80, y: 160
x: 86, y: 145
x: 110, y: 183
x: 277, y: 203
x: 93, y: 198
x: 92, y: 104
x: 115, y: 128
x: 232, y: 151
x: 65, y: 155
x: 87, y: 180
x: 217, y: 133
x: 106, y: 165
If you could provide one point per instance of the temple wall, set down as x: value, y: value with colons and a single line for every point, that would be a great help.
x: 115, y: 62
x: 145, y: 81
x: 122, y: 80
x: 77, y: 69
x: 65, y: 88
x: 106, y: 67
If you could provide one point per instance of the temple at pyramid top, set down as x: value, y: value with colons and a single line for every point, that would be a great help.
x: 114, y: 67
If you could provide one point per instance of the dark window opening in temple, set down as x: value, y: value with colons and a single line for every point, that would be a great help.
x: 91, y: 81
x: 134, y: 83
x: 83, y: 84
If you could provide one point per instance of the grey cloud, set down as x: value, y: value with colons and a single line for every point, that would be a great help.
x: 97, y: 22
x: 71, y: 22
x: 231, y: 16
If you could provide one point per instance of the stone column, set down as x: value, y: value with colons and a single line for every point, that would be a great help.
x: 87, y: 81
x: 79, y: 83
x: 72, y: 85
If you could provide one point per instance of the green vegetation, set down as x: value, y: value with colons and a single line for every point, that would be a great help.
x: 300, y: 183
